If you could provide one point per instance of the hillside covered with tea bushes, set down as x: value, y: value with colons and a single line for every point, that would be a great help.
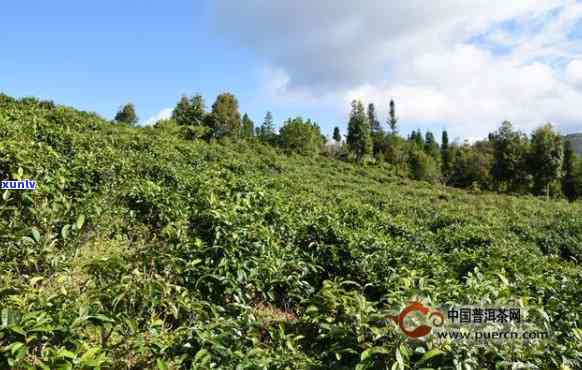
x: 140, y: 249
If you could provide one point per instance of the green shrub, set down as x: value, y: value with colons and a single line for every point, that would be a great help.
x: 141, y: 248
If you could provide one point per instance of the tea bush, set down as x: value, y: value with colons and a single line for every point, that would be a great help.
x: 144, y: 248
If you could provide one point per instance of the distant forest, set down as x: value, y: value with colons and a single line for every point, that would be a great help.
x: 541, y: 163
x: 576, y: 142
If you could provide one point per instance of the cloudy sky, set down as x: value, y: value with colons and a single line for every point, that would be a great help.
x: 464, y: 65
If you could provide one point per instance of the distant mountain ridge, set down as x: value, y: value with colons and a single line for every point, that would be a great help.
x: 576, y: 140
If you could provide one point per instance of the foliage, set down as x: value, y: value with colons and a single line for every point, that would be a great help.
x: 373, y: 122
x: 248, y: 126
x: 190, y: 111
x: 359, y: 137
x: 224, y: 120
x: 266, y: 133
x: 392, y: 118
x: 423, y: 166
x: 395, y: 150
x: 576, y: 142
x: 431, y: 147
x: 545, y: 158
x: 336, y: 134
x: 300, y: 136
x: 578, y: 177
x: 195, y: 132
x: 142, y: 250
x: 470, y: 168
x: 377, y: 132
x: 416, y: 138
x: 510, y: 167
x: 569, y: 180
x: 445, y: 154
x: 127, y: 115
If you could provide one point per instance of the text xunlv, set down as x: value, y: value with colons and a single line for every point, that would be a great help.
x: 18, y: 184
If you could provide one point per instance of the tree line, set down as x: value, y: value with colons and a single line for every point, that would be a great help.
x: 543, y: 163
x: 508, y: 160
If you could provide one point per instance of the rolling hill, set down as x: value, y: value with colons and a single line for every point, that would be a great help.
x: 140, y: 249
x: 576, y: 140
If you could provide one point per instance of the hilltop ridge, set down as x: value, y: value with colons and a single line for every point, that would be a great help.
x: 142, y: 249
x: 576, y: 140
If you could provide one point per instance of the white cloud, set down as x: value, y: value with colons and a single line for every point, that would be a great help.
x: 473, y: 91
x: 163, y: 114
x: 574, y: 72
x: 467, y: 63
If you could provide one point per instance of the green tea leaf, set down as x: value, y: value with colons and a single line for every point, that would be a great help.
x: 430, y: 354
x: 162, y: 365
x: 65, y: 231
x: 35, y: 234
x: 80, y: 222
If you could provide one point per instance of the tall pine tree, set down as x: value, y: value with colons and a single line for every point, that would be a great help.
x: 430, y: 145
x: 392, y: 118
x: 445, y: 154
x: 417, y: 139
x: 248, y: 126
x: 375, y: 126
x: 359, y: 139
x: 336, y: 134
x: 267, y: 130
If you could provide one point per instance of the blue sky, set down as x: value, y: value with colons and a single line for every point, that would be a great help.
x: 99, y: 55
x: 464, y: 65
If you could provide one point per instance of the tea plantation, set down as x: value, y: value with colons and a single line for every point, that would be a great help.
x: 142, y: 250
